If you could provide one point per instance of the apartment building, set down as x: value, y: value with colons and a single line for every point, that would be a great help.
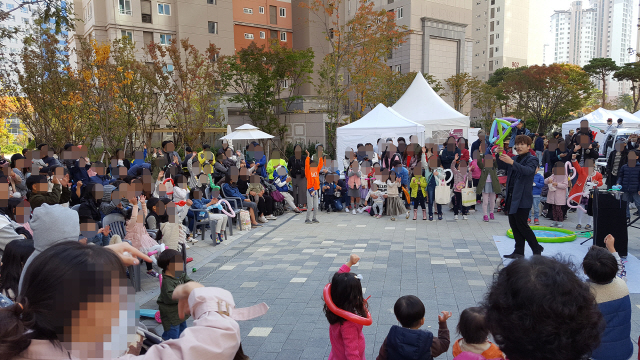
x: 594, y: 29
x: 260, y: 21
x: 159, y: 21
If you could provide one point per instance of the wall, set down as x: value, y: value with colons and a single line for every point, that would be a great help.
x: 301, y: 127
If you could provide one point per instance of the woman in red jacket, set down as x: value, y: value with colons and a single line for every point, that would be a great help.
x: 588, y: 178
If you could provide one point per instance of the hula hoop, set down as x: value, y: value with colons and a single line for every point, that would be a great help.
x: 571, y: 235
x: 326, y: 293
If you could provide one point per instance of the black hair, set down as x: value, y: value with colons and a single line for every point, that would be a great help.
x: 50, y: 294
x: 472, y: 326
x: 346, y: 293
x: 24, y: 151
x: 35, y: 179
x: 409, y: 310
x: 12, y: 204
x: 67, y: 146
x: 164, y: 143
x: 368, y: 144
x: 447, y: 141
x: 346, y: 157
x: 41, y: 146
x: 402, y: 139
x: 619, y: 120
x: 179, y: 179
x: 168, y: 256
x: 15, y: 256
x: 600, y: 265
x: 396, y: 163
x: 466, y: 143
x: 538, y: 308
x: 206, y: 146
x: 188, y: 149
x: 359, y: 145
x: 14, y: 159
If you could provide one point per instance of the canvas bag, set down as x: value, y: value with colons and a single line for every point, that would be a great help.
x: 442, y: 194
x: 468, y: 195
x: 244, y: 220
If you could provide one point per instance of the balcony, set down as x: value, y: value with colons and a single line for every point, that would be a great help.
x: 146, y: 18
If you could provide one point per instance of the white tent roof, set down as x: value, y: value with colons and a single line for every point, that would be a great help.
x: 246, y: 132
x: 381, y: 122
x: 598, y: 121
x: 637, y: 114
x: 422, y: 105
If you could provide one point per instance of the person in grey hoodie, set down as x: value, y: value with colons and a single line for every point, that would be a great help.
x: 51, y: 224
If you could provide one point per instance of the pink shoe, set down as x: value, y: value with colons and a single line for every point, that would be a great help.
x: 491, y: 216
x: 485, y: 218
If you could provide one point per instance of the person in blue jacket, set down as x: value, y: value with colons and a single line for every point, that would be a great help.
x: 538, y: 183
x: 133, y: 171
x: 100, y: 177
x: 255, y: 153
x: 629, y: 179
x: 401, y: 172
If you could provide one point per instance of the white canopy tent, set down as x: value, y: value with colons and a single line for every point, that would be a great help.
x: 422, y: 105
x: 246, y: 132
x: 598, y: 121
x: 381, y: 122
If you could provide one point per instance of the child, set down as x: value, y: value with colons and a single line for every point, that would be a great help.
x: 172, y: 233
x: 354, y: 175
x: 474, y: 332
x: 459, y: 182
x: 435, y: 176
x: 588, y: 177
x: 282, y: 181
x: 347, y: 340
x: 173, y: 274
x: 38, y: 191
x: 15, y: 256
x: 312, y: 173
x: 365, y: 169
x: 538, y: 184
x: 378, y: 200
x: 418, y: 192
x: 557, y: 195
x: 395, y: 206
x: 155, y: 210
x: 488, y: 183
x: 181, y: 199
x: 409, y: 342
x: 136, y: 232
x: 607, y: 281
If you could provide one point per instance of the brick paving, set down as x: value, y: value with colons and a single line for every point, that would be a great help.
x: 286, y: 263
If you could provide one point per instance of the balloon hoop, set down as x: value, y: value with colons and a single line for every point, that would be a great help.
x: 450, y: 177
x: 343, y: 313
x: 233, y: 213
x: 569, y: 166
x: 578, y: 202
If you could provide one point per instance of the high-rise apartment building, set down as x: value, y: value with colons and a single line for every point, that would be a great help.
x: 501, y: 36
x: 597, y: 29
x: 260, y: 21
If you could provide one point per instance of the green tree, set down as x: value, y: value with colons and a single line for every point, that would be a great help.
x: 57, y: 14
x: 460, y: 87
x: 631, y: 72
x: 548, y: 94
x: 600, y: 69
x: 485, y: 99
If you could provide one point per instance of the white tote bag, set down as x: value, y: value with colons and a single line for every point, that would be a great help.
x: 468, y: 196
x: 443, y: 194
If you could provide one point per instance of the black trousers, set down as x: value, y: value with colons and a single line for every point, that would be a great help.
x: 522, y: 232
x: 265, y: 205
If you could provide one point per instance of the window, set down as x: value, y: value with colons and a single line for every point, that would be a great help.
x: 284, y: 84
x: 125, y: 7
x: 491, y: 26
x: 212, y: 2
x: 498, y: 9
x: 398, y: 68
x: 26, y: 21
x: 390, y: 1
x: 213, y: 27
x: 262, y: 35
x: 164, y: 9
x: 248, y: 36
x: 10, y: 6
x: 126, y: 33
x: 167, y: 69
x: 273, y: 15
x: 165, y: 39
x: 24, y: 10
x: 283, y: 36
x: 247, y: 11
x: 399, y: 12
x: 283, y: 12
x: 261, y: 9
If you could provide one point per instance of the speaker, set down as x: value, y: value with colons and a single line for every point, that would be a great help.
x: 610, y: 217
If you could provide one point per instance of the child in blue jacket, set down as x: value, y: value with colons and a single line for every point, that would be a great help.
x: 538, y: 183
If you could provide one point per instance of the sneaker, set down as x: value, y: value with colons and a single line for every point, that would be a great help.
x: 152, y: 273
x: 491, y: 216
x: 465, y: 217
x: 559, y: 224
x: 315, y: 221
x: 308, y: 221
x: 220, y: 237
x: 430, y: 217
x: 263, y: 219
x: 578, y: 227
x: 194, y: 240
x: 218, y: 241
x: 588, y: 227
x: 485, y: 218
x: 439, y: 216
x: 529, y: 221
x: 297, y: 211
x: 536, y: 222
x: 353, y: 211
x: 360, y: 210
x: 186, y: 246
x: 554, y: 224
x: 271, y: 217
x: 407, y: 215
x: 346, y: 209
x: 455, y: 217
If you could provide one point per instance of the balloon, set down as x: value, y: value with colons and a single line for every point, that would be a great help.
x: 343, y: 313
x: 569, y: 166
x: 501, y: 128
x: 233, y: 213
x: 578, y: 203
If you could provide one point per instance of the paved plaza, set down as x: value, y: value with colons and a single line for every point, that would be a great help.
x: 448, y: 264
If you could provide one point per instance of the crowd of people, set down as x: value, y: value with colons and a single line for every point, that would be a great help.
x: 161, y: 197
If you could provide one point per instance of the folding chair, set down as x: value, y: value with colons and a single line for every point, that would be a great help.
x: 204, y: 222
x: 117, y: 224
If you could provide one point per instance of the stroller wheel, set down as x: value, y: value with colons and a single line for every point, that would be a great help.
x: 158, y: 317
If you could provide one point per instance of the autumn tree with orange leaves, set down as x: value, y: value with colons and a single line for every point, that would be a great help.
x: 358, y: 52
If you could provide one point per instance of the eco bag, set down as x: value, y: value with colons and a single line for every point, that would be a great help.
x: 443, y: 194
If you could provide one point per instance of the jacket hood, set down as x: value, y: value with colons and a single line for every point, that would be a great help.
x: 409, y: 344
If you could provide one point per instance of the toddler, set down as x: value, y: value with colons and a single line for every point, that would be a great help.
x: 395, y: 206
x: 173, y: 274
x: 418, y: 192
x: 538, y: 184
x: 459, y: 183
x: 474, y: 332
x: 378, y: 200
x: 136, y: 232
x: 354, y: 184
x: 557, y: 195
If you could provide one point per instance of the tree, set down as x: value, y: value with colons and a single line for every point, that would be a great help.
x: 631, y: 72
x: 193, y: 87
x: 58, y: 13
x: 548, y: 93
x: 485, y: 99
x: 358, y: 51
x: 600, y: 69
x: 389, y: 86
x: 461, y: 86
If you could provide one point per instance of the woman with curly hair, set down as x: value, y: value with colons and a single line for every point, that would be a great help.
x: 538, y: 308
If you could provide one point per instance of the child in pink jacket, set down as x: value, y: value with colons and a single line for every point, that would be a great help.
x: 137, y: 233
x: 347, y: 340
x: 557, y: 195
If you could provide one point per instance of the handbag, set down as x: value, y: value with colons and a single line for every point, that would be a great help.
x: 277, y: 196
x: 244, y: 222
x: 468, y: 195
x: 442, y: 194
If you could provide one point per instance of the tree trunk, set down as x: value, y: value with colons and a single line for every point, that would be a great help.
x: 604, y: 90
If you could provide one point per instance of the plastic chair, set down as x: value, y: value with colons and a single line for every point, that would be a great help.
x: 75, y: 207
x: 117, y: 224
x: 203, y: 223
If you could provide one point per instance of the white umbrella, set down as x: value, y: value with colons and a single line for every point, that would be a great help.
x: 229, y: 132
x: 247, y: 132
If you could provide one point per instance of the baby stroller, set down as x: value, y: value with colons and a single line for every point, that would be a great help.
x: 278, y: 201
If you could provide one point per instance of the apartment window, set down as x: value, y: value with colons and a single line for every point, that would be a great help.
x: 89, y: 11
x: 398, y: 68
x: 491, y: 26
x: 26, y: 21
x: 273, y: 34
x: 164, y: 9
x: 497, y: 36
x: 24, y: 10
x: 390, y: 1
x: 145, y: 11
x: 126, y: 33
x: 262, y: 35
x: 212, y: 2
x: 493, y: 2
x: 10, y: 6
x: 273, y: 15
x: 165, y: 39
x: 248, y: 36
x: 498, y: 9
x: 283, y: 12
x: 491, y: 39
x: 490, y: 52
x: 167, y: 68
x: 283, y: 36
x: 493, y: 13
x: 261, y: 9
x: 399, y: 12
x: 125, y: 7
x: 213, y: 27
x: 247, y: 11
x: 284, y: 84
